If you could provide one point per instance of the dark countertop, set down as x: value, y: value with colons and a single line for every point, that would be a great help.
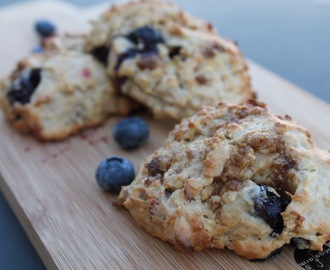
x: 290, y: 38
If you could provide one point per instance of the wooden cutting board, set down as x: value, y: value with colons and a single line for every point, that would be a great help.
x: 52, y: 190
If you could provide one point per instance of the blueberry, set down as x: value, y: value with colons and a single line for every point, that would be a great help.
x: 45, y: 28
x: 146, y: 56
x: 22, y: 89
x: 114, y: 172
x: 269, y: 207
x: 131, y: 132
x: 101, y: 54
x: 147, y: 36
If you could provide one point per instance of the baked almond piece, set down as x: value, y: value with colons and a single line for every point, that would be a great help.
x: 168, y: 60
x: 236, y: 177
x: 59, y: 92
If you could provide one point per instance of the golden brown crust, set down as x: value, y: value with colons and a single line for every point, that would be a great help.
x: 192, y: 67
x: 204, y: 187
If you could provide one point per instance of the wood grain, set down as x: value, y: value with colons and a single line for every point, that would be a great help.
x: 52, y: 190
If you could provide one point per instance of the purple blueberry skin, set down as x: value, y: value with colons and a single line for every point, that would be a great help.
x: 45, y: 28
x: 146, y: 35
x: 270, y: 209
x: 26, y: 86
x: 131, y: 132
x: 113, y: 173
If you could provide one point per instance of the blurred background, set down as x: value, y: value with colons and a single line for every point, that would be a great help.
x: 288, y: 37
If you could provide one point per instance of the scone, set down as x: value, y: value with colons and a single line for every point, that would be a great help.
x: 236, y: 177
x: 59, y: 92
x: 168, y: 60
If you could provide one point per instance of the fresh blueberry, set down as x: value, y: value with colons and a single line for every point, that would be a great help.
x: 22, y: 89
x: 113, y: 173
x: 269, y: 207
x: 147, y: 36
x: 101, y: 54
x: 131, y: 132
x: 45, y: 28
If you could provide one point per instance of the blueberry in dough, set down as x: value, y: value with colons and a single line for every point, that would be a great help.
x: 147, y: 36
x: 22, y: 89
x: 269, y: 207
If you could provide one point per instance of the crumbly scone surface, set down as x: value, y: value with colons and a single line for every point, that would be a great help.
x: 209, y: 184
x: 121, y: 19
x: 189, y: 66
x: 74, y: 92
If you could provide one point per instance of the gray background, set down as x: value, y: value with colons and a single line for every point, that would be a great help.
x: 289, y: 37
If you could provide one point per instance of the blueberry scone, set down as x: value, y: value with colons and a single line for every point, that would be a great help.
x: 168, y: 60
x: 59, y: 92
x: 236, y: 177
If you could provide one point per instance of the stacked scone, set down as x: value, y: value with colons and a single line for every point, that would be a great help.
x: 232, y: 176
x: 148, y: 52
x: 167, y: 60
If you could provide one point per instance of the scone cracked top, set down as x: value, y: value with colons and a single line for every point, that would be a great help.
x: 237, y: 177
x: 59, y: 92
x: 167, y: 60
x: 119, y: 20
